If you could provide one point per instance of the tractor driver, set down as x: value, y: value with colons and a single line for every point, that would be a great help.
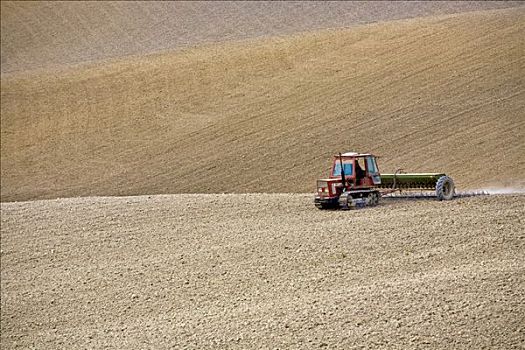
x: 359, y: 173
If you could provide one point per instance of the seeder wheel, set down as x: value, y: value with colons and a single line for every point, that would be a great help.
x: 445, y: 188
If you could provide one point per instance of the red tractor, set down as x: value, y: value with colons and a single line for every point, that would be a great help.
x: 355, y: 181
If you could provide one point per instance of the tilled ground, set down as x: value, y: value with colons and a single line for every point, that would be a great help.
x: 426, y: 95
x: 262, y: 271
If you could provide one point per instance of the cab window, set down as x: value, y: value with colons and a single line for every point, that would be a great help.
x: 371, y: 165
x: 348, y: 168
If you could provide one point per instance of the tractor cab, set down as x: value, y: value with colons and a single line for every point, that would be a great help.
x: 351, y: 172
x: 358, y: 169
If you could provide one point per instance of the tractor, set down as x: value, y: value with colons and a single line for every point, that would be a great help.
x: 355, y: 181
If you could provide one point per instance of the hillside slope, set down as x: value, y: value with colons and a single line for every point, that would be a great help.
x: 426, y: 94
x: 47, y: 34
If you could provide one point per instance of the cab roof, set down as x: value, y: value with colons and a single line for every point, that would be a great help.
x: 354, y: 154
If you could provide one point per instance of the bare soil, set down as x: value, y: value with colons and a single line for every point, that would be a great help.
x: 266, y: 115
x: 80, y: 117
x: 261, y: 271
x: 52, y: 34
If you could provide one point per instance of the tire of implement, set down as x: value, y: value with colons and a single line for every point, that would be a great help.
x: 445, y: 188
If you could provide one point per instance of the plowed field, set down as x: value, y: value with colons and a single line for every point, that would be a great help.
x: 53, y: 34
x: 160, y: 102
x: 267, y: 115
x: 262, y: 272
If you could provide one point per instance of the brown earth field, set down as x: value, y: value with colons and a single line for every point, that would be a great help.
x: 148, y: 252
x: 262, y: 271
x: 53, y: 34
x: 439, y: 94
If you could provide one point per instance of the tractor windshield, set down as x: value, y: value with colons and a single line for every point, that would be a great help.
x: 348, y: 168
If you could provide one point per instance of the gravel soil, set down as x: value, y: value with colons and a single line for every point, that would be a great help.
x: 259, y: 271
